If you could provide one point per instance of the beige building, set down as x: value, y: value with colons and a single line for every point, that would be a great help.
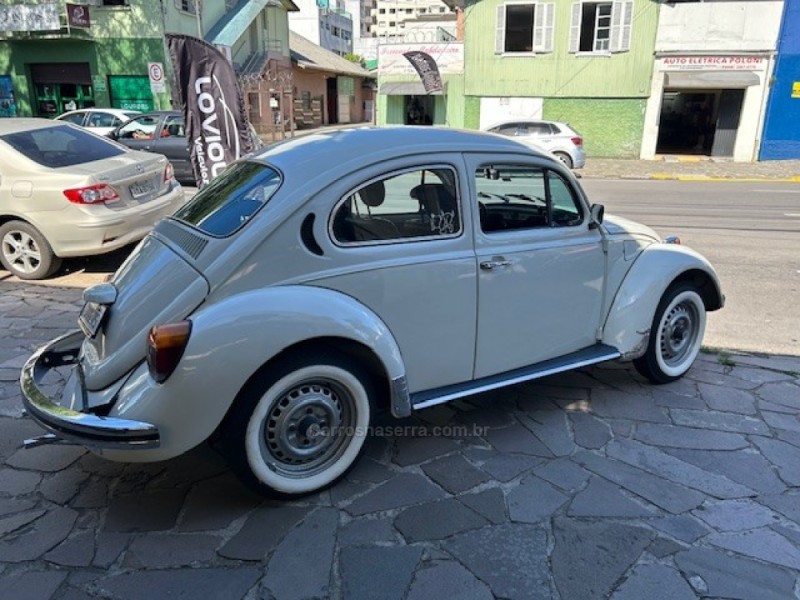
x: 390, y: 18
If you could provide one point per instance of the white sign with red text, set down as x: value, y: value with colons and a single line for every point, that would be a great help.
x: 449, y: 58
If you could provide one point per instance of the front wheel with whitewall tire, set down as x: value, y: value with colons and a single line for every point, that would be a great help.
x: 25, y: 252
x: 675, y: 335
x: 299, y: 426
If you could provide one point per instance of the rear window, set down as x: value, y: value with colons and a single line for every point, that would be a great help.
x: 230, y: 200
x: 61, y: 146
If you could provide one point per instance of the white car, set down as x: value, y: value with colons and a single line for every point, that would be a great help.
x: 331, y: 276
x: 67, y: 192
x: 560, y: 139
x: 101, y: 121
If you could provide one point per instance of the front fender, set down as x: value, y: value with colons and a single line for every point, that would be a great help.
x: 230, y: 340
x: 628, y: 323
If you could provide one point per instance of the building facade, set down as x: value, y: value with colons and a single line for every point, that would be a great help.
x: 389, y: 17
x: 711, y: 78
x: 781, y: 136
x: 324, y: 22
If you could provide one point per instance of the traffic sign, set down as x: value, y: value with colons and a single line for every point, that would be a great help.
x: 155, y: 71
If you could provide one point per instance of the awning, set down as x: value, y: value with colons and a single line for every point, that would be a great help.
x: 405, y: 88
x: 711, y: 79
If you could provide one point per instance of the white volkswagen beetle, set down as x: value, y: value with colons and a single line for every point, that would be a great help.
x: 330, y: 276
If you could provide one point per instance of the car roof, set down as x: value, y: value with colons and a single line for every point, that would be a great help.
x: 525, y: 120
x: 17, y: 124
x: 371, y: 144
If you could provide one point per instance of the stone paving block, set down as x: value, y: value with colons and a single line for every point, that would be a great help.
x: 563, y: 473
x: 32, y: 542
x: 447, y: 580
x: 776, y: 408
x: 663, y: 547
x: 370, y: 471
x: 682, y: 527
x: 788, y: 422
x: 14, y: 430
x: 10, y: 506
x: 517, y: 439
x: 589, y: 432
x: 654, y: 581
x: 505, y: 467
x: 62, y: 486
x: 728, y: 576
x: 17, y: 483
x: 722, y: 379
x: 345, y: 491
x: 784, y: 456
x: 604, y: 499
x: 401, y: 490
x: 76, y: 551
x: 510, y: 558
x: 33, y: 585
x: 216, y: 503
x: 665, y: 494
x: 301, y: 565
x: 486, y: 417
x: 660, y: 463
x: 21, y: 519
x: 619, y: 405
x: 775, y: 363
x: 793, y: 535
x: 534, y: 500
x: 728, y: 399
x: 790, y: 437
x: 672, y: 436
x: 736, y: 515
x: 545, y: 390
x: 718, y: 421
x: 414, y: 450
x: 262, y: 531
x: 747, y: 467
x: 764, y: 544
x: 454, y: 473
x: 378, y: 573
x: 552, y: 429
x: 365, y: 531
x: 437, y: 520
x: 92, y: 495
x: 440, y: 415
x: 667, y: 399
x: 589, y: 558
x: 45, y: 458
x: 682, y: 387
x: 108, y: 547
x: 162, y: 551
x: 490, y: 504
x: 146, y: 511
x: 233, y: 582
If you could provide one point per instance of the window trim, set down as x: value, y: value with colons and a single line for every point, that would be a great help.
x: 544, y: 16
x: 404, y: 240
x: 620, y: 35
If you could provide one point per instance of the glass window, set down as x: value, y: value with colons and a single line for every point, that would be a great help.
x: 140, y: 128
x: 519, y: 27
x: 76, y: 118
x: 230, y: 200
x: 422, y: 203
x: 512, y: 197
x: 595, y: 34
x: 101, y: 119
x: 173, y: 127
x: 61, y: 146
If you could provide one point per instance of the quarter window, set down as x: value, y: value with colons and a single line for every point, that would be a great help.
x: 422, y: 203
x: 512, y: 197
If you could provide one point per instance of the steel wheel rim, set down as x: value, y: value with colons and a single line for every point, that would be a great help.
x: 308, y: 428
x: 21, y: 251
x: 679, y: 331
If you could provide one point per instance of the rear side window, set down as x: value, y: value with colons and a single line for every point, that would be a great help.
x: 230, y: 200
x: 62, y: 146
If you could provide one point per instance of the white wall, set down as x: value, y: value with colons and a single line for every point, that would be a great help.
x: 742, y: 26
x: 496, y: 110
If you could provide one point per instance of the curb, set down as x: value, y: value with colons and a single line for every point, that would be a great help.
x: 695, y: 178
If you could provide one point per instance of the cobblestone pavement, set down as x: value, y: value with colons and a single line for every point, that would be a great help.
x: 585, y: 485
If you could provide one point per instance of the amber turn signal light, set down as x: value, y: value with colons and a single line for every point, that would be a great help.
x: 165, y: 346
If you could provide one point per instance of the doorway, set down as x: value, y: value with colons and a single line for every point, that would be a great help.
x: 687, y: 122
x: 60, y: 87
x: 418, y: 110
x: 332, y: 100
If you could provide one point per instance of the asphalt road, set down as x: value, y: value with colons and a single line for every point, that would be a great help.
x: 749, y: 231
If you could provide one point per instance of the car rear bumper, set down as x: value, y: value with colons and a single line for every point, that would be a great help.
x: 66, y: 423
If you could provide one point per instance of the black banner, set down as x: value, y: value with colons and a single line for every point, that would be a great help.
x: 216, y: 125
x: 427, y: 69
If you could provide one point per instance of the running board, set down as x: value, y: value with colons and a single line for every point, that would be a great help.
x: 582, y: 358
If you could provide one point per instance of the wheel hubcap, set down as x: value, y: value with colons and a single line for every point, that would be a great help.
x: 21, y: 251
x: 306, y: 427
x: 678, y: 333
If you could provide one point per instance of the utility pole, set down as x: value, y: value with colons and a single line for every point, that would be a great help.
x: 198, y: 7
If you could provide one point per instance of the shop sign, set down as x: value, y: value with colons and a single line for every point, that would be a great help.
x: 796, y: 89
x: 714, y: 63
x: 99, y: 84
x: 29, y: 17
x: 78, y: 16
x: 449, y: 58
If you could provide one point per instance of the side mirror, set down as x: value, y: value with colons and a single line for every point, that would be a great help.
x: 596, y: 213
x: 113, y: 135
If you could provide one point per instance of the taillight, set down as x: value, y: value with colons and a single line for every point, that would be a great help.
x: 169, y: 173
x: 93, y: 194
x: 577, y: 140
x: 165, y: 346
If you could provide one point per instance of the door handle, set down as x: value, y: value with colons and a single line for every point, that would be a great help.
x: 488, y: 265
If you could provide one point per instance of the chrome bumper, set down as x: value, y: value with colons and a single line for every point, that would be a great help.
x: 70, y: 425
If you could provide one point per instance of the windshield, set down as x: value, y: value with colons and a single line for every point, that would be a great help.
x: 230, y: 200
x: 62, y: 146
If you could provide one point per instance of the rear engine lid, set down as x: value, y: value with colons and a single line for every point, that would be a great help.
x: 154, y: 286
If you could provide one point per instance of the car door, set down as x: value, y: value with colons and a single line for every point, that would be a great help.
x: 540, y: 265
x: 172, y: 143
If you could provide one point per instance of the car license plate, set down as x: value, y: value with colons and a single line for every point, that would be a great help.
x: 90, y: 318
x: 142, y: 188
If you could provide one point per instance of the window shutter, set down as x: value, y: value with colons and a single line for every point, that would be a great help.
x: 621, y: 21
x: 575, y: 28
x: 543, y: 27
x: 500, y: 32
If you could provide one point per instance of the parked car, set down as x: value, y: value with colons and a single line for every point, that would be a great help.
x: 559, y: 138
x: 335, y: 275
x: 67, y: 192
x: 101, y: 121
x: 164, y: 132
